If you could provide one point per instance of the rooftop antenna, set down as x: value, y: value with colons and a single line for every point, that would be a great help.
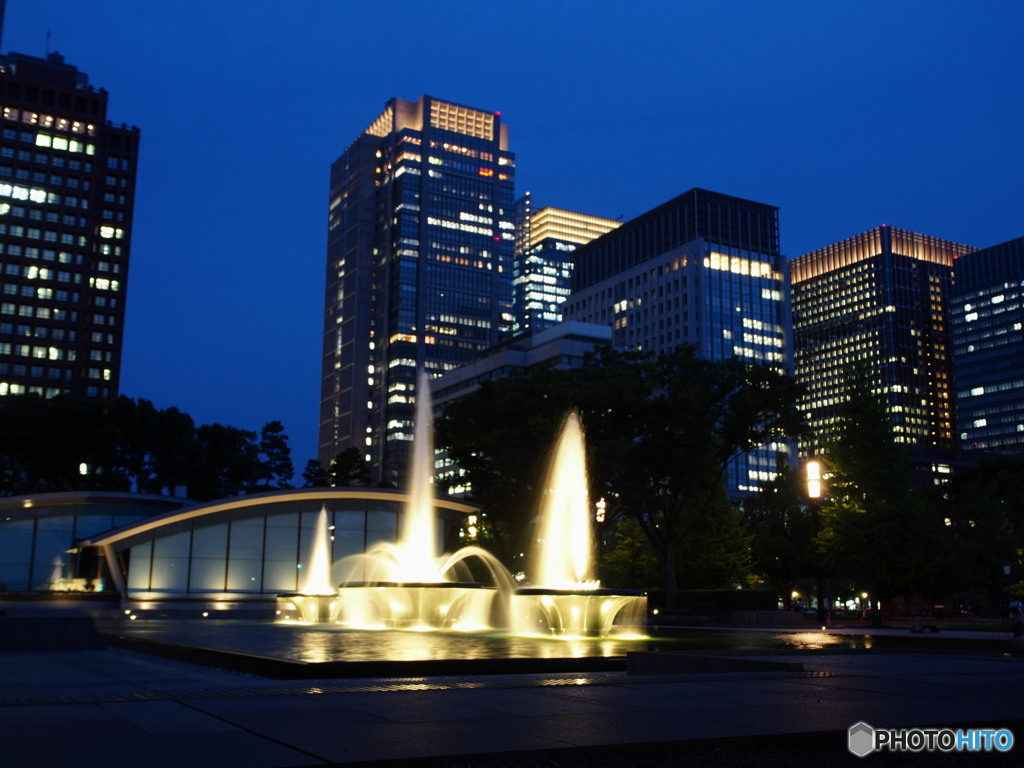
x: 47, y: 55
x: 3, y: 10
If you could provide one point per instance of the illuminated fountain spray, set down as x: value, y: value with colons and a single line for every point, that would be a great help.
x: 408, y: 585
x: 316, y: 600
x: 565, y: 599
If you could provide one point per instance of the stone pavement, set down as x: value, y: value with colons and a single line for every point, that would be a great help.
x: 116, y: 707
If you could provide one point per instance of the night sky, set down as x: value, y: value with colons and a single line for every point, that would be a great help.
x: 844, y: 115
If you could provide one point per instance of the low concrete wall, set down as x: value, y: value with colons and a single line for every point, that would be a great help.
x: 49, y: 633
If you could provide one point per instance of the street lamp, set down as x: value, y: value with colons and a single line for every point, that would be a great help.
x: 812, y: 470
x: 815, y: 490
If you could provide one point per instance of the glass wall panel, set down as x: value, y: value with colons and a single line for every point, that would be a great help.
x: 170, y: 563
x: 244, y: 575
x: 347, y: 542
x: 15, y: 555
x: 207, y: 574
x: 282, y: 553
x: 245, y: 561
x: 280, y: 576
x: 89, y: 525
x: 54, y: 537
x: 383, y: 521
x: 13, y: 577
x: 349, y: 520
x: 139, y: 561
x: 209, y: 551
x: 210, y: 541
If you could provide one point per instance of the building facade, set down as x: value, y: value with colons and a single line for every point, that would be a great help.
x: 419, y: 269
x: 987, y: 325
x: 542, y: 274
x: 880, y: 299
x: 703, y: 269
x: 67, y: 187
x: 245, y: 549
x: 561, y: 346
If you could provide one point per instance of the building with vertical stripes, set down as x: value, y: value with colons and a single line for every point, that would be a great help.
x: 419, y: 269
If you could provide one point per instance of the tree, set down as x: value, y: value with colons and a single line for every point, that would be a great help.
x: 661, y: 434
x: 226, y: 462
x: 783, y: 527
x: 985, y: 518
x: 695, y: 418
x: 874, y: 527
x: 349, y: 468
x: 276, y: 470
x: 314, y: 475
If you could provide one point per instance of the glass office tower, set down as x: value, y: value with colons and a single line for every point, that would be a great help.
x: 987, y: 321
x: 542, y: 275
x: 419, y: 269
x: 67, y: 187
x: 878, y: 298
x: 702, y: 269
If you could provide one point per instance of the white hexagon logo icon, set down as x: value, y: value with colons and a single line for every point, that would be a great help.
x: 860, y: 739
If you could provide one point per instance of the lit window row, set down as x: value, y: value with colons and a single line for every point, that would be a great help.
x: 64, y: 144
x: 48, y: 121
x: 740, y: 266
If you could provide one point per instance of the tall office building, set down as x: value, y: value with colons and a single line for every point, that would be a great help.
x: 542, y: 273
x: 702, y: 269
x: 419, y: 269
x: 987, y: 323
x: 67, y: 187
x: 880, y: 298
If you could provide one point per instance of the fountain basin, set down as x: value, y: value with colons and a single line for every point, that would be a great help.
x: 540, y: 611
x: 308, y: 609
x: 459, y: 606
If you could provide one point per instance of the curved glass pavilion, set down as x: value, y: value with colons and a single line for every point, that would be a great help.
x: 162, y: 548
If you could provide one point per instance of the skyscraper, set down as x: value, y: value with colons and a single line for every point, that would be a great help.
x: 67, y: 187
x: 419, y: 268
x: 542, y: 274
x: 702, y: 269
x: 878, y: 298
x: 987, y: 323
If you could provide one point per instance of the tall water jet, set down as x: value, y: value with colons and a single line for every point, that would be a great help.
x: 565, y: 599
x: 564, y: 561
x: 417, y: 541
x: 407, y: 585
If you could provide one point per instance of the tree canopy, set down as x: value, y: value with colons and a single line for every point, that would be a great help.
x: 661, y: 434
x: 68, y: 443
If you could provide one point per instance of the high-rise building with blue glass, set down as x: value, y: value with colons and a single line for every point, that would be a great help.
x: 542, y: 275
x: 703, y: 269
x: 419, y: 268
x: 987, y: 323
x: 878, y: 299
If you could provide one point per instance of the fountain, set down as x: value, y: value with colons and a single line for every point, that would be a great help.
x: 406, y: 585
x: 566, y: 600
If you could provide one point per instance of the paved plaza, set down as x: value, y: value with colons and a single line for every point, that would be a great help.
x: 118, y: 707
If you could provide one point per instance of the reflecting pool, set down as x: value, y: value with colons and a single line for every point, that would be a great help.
x: 331, y: 643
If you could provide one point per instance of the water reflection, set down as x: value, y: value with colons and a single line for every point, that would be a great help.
x: 329, y: 643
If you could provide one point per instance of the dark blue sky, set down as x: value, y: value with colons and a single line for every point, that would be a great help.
x: 845, y: 115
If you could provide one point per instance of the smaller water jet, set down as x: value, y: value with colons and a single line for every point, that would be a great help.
x: 567, y: 601
x: 316, y: 600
